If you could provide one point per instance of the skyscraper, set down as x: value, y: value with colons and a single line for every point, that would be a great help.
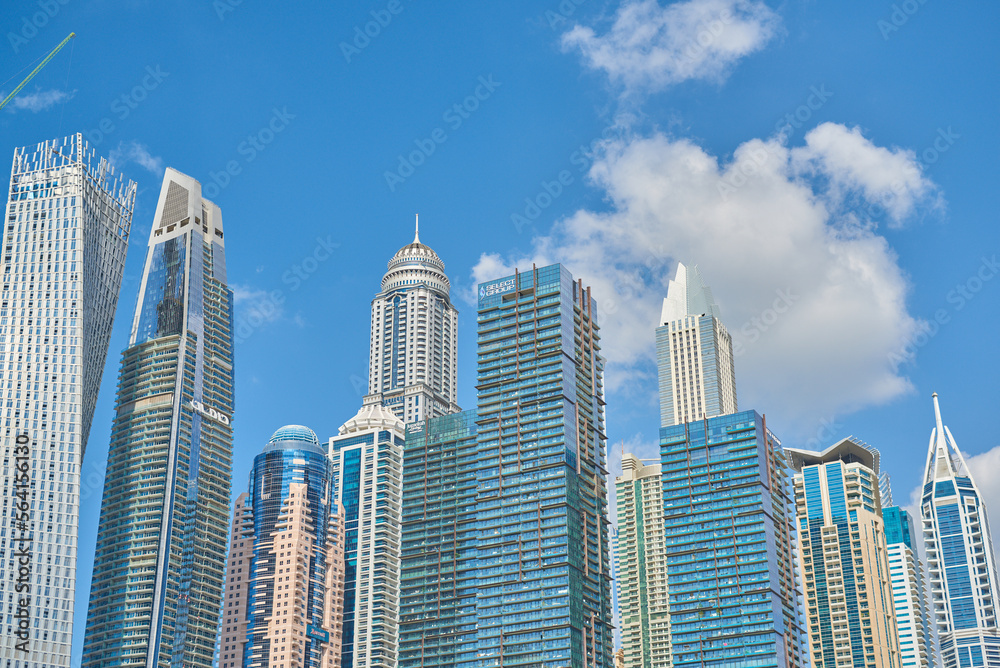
x: 850, y: 613
x: 286, y: 561
x: 65, y: 238
x: 544, y: 594
x: 157, y: 587
x: 916, y: 639
x: 729, y: 541
x: 438, y: 577
x: 367, y: 459
x: 694, y: 353
x: 960, y: 561
x: 413, y: 361
x: 642, y: 557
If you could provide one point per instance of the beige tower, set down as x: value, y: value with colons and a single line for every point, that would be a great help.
x: 843, y: 557
x: 642, y: 566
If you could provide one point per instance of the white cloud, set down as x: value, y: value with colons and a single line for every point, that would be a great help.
x: 138, y: 153
x: 889, y: 177
x: 813, y: 295
x: 254, y: 306
x: 39, y: 100
x: 650, y: 47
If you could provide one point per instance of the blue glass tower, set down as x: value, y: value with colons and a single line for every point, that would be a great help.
x: 438, y: 579
x: 960, y: 559
x: 157, y: 588
x: 544, y: 595
x: 730, y: 554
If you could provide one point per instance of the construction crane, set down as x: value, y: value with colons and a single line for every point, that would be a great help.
x: 35, y: 71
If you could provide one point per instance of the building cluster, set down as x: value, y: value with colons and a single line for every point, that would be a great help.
x: 735, y: 551
x: 421, y: 535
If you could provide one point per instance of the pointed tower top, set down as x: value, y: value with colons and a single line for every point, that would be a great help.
x: 416, y: 234
x: 687, y: 294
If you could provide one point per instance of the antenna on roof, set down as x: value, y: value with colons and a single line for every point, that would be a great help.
x: 416, y: 235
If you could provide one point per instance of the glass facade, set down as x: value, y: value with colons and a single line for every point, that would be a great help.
x: 161, y: 541
x: 916, y: 640
x: 850, y: 612
x: 438, y: 577
x: 542, y: 553
x: 283, y: 547
x: 367, y: 460
x: 960, y: 560
x: 730, y: 552
x: 65, y: 237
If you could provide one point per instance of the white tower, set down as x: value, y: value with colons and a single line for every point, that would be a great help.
x: 694, y: 353
x: 960, y: 560
x: 64, y: 243
x: 413, y: 363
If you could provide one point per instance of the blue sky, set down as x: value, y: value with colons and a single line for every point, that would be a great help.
x: 835, y: 162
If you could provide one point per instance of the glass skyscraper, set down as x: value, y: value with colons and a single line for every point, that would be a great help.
x: 157, y: 587
x: 850, y: 612
x: 694, y: 353
x: 960, y: 560
x: 729, y: 530
x: 438, y: 578
x: 367, y: 458
x: 916, y: 640
x: 413, y: 360
x: 285, y: 577
x: 642, y: 557
x: 65, y: 236
x: 544, y: 595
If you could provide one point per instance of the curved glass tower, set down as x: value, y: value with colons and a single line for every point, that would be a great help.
x: 284, y: 597
x: 413, y: 361
x: 960, y: 560
x: 156, y: 592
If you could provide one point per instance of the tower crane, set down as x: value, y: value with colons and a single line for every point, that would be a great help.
x: 35, y: 71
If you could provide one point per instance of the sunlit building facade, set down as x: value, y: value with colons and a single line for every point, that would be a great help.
x: 694, y: 353
x: 960, y: 560
x: 285, y: 573
x: 730, y: 545
x: 909, y: 590
x: 544, y: 568
x: 438, y: 577
x: 65, y: 237
x: 642, y: 557
x: 367, y: 456
x: 413, y: 357
x: 157, y: 587
x: 850, y: 611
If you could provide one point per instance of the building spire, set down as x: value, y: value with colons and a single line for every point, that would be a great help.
x: 416, y: 234
x: 937, y: 417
